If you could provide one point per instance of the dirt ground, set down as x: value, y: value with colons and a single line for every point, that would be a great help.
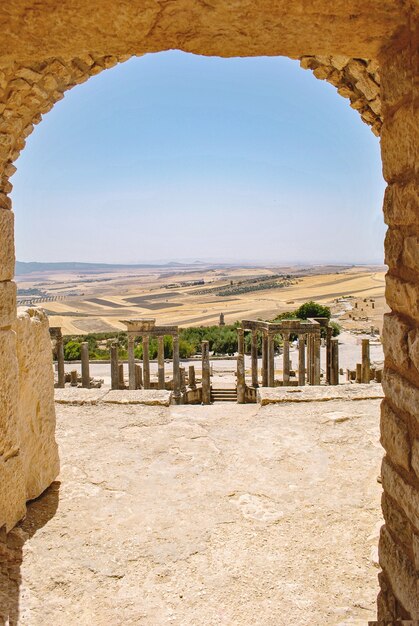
x: 218, y: 515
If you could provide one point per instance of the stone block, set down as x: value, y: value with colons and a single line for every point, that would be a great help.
x: 400, y: 572
x: 393, y: 247
x: 403, y: 296
x: 401, y: 204
x: 396, y: 521
x: 36, y: 409
x: 396, y: 77
x: 406, y: 496
x: 12, y: 481
x: 399, y: 136
x: 394, y: 437
x: 413, y: 346
x: 401, y: 392
x: 415, y: 457
x: 7, y: 245
x: 7, y: 303
x: 411, y: 253
x: 395, y: 339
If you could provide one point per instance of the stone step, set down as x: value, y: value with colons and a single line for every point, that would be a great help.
x: 223, y: 395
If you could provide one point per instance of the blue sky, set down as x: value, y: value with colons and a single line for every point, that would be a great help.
x: 174, y: 156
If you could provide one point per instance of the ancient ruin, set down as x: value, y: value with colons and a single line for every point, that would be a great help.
x: 369, y: 52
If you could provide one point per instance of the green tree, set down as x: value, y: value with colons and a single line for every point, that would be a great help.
x: 72, y: 350
x: 312, y: 309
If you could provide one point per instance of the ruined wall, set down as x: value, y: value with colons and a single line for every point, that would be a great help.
x: 35, y: 405
x: 399, y: 541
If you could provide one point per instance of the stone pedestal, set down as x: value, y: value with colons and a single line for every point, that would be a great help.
x: 85, y: 369
x: 138, y: 376
x: 206, y: 379
x: 146, y: 361
x: 114, y: 367
x: 191, y: 377
x: 74, y: 378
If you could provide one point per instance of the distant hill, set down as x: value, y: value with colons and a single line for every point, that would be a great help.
x: 32, y: 267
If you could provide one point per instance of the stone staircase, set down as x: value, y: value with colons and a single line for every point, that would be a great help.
x: 224, y: 395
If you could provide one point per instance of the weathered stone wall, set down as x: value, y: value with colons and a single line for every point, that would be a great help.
x: 399, y: 541
x: 35, y: 406
x: 49, y: 47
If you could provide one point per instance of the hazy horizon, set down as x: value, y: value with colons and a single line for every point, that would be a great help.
x: 173, y: 156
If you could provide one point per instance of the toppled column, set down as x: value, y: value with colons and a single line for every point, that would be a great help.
x: 131, y: 362
x: 271, y: 360
x: 146, y: 361
x: 334, y: 366
x: 160, y: 361
x: 138, y: 376
x: 114, y: 367
x: 286, y: 360
x: 121, y: 379
x: 206, y: 380
x: 191, y: 377
x: 301, y: 361
x: 254, y: 357
x: 74, y: 378
x: 59, y: 347
x: 265, y: 359
x: 365, y: 370
x: 176, y: 373
x: 85, y: 368
x: 241, y: 384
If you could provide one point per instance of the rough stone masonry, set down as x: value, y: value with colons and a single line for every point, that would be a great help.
x: 369, y: 51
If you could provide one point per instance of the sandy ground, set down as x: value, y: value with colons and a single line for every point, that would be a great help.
x: 219, y: 515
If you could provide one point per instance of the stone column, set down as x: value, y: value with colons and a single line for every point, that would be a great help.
x: 131, y: 361
x: 146, y: 361
x: 358, y: 378
x: 85, y: 369
x: 191, y: 377
x: 114, y: 367
x: 138, y: 376
x: 365, y: 372
x: 206, y: 379
x: 286, y: 359
x: 254, y: 357
x: 241, y: 384
x: 329, y: 332
x: 182, y: 376
x: 59, y: 347
x: 301, y: 360
x: 265, y: 359
x: 271, y: 360
x: 160, y: 361
x: 121, y: 378
x: 176, y: 373
x: 316, y: 350
x: 309, y: 359
x: 334, y: 367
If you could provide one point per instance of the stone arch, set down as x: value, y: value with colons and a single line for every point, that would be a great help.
x: 30, y: 91
x: 369, y: 52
